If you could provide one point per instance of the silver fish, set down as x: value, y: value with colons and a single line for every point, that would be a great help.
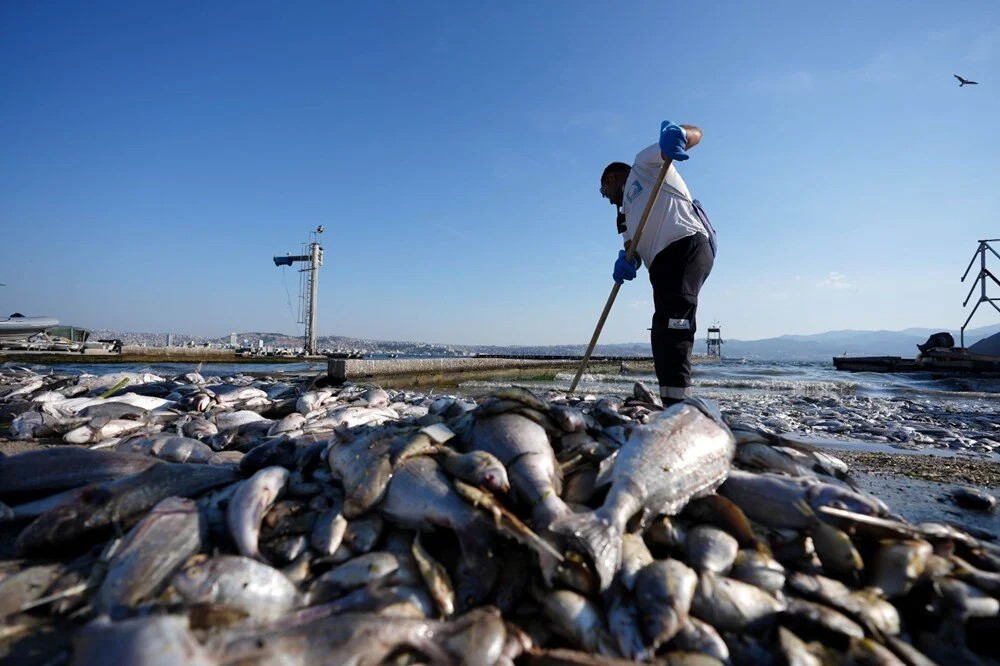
x: 578, y: 620
x: 248, y: 505
x: 169, y: 534
x: 701, y: 637
x: 795, y: 650
x: 56, y: 469
x: 663, y: 592
x: 158, y: 640
x: 731, y: 605
x: 898, y: 565
x: 364, y: 467
x: 476, y: 467
x: 773, y: 500
x: 523, y: 447
x: 419, y: 496
x: 357, y: 572
x: 623, y: 624
x: 436, y: 579
x: 709, y: 548
x: 759, y: 569
x: 119, y: 503
x: 635, y: 557
x: 682, y: 453
x: 328, y: 532
x: 368, y: 638
x: 238, y: 582
x: 102, y: 428
x: 28, y: 584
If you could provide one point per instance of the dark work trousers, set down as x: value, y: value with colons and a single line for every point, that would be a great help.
x: 677, y: 274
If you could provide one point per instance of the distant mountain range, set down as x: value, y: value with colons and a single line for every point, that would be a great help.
x: 818, y: 346
x: 852, y: 343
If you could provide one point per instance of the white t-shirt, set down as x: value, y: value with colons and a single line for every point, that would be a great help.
x: 672, y: 217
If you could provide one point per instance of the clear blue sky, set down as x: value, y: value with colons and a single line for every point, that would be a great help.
x: 156, y: 155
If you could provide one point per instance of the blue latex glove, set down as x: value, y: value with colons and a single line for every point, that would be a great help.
x: 624, y: 269
x: 673, y: 139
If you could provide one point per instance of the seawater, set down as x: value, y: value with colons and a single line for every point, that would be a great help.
x: 730, y: 378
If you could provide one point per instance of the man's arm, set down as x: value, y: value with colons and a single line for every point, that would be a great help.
x: 693, y: 134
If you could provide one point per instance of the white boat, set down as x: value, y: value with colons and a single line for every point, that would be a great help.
x: 18, y: 327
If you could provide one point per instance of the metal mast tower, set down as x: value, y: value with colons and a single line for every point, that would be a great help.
x: 983, y: 274
x: 315, y: 260
x: 714, y: 340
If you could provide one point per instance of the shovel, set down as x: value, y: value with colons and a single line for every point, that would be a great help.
x: 628, y: 256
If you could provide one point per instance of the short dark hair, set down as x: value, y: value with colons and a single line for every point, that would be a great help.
x: 616, y: 167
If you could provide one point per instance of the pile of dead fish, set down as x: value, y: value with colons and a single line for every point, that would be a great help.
x: 207, y: 521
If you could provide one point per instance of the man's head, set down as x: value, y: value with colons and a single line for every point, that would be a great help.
x: 613, y: 182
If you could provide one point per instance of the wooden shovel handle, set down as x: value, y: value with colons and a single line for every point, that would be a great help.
x: 628, y: 256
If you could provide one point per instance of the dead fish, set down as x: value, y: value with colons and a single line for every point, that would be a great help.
x: 362, y: 534
x: 578, y: 620
x: 723, y: 513
x: 284, y: 549
x: 476, y: 467
x: 27, y: 585
x: 973, y: 498
x: 50, y: 470
x: 568, y: 418
x: 328, y: 532
x: 248, y: 505
x: 898, y: 564
x: 101, y: 428
x: 683, y: 452
x: 185, y: 450
x: 731, y: 605
x: 364, y: 467
x: 524, y: 449
x: 701, y: 637
x: 663, y: 592
x: 964, y: 601
x: 114, y: 410
x: 368, y: 638
x: 118, y: 503
x: 833, y: 547
x: 635, y: 557
x: 865, y: 605
x: 419, y: 496
x: 231, y: 420
x: 289, y: 423
x: 310, y: 401
x: 770, y: 459
x: 156, y: 547
x: 667, y: 533
x: 580, y: 485
x: 868, y: 652
x: 811, y: 617
x: 623, y: 623
x: 158, y: 640
x: 758, y: 569
x: 709, y: 548
x: 795, y: 650
x: 772, y: 499
x: 238, y: 582
x: 360, y: 571
x: 436, y: 579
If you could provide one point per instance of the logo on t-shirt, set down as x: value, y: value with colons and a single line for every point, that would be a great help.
x: 633, y: 191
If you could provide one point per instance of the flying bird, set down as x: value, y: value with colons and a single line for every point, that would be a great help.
x: 962, y: 82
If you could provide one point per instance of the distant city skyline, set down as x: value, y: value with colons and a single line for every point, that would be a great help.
x: 155, y: 159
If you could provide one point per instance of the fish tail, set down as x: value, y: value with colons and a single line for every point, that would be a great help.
x: 597, y: 537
